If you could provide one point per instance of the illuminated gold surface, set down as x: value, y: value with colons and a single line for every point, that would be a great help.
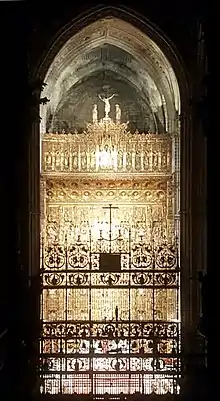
x: 75, y: 186
x: 104, y: 302
x: 78, y: 304
x: 54, y: 304
x: 141, y: 304
x: 106, y: 147
x: 73, y: 206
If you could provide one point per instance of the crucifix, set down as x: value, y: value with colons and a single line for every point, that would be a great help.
x: 107, y: 103
x: 110, y: 208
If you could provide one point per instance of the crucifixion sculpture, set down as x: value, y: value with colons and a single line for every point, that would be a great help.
x: 107, y: 103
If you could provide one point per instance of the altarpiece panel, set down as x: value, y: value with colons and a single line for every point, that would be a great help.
x: 110, y: 266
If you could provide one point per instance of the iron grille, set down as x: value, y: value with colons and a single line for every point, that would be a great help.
x: 110, y: 317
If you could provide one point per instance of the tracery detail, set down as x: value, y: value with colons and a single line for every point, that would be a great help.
x: 110, y: 264
x: 106, y: 146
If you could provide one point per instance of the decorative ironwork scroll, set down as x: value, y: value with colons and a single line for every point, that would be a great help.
x: 109, y: 265
x: 110, y: 331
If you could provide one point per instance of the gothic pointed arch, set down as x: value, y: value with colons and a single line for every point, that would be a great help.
x: 113, y: 50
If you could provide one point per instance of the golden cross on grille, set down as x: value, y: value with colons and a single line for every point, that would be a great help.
x: 110, y: 208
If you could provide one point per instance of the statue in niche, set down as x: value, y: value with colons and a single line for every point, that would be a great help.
x: 95, y: 114
x: 107, y: 104
x: 118, y: 113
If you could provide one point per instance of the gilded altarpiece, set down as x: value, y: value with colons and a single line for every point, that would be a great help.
x: 110, y: 271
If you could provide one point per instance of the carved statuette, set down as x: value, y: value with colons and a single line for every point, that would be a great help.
x: 107, y: 104
x: 95, y: 114
x: 118, y: 113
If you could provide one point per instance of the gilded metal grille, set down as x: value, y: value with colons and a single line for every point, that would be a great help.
x: 110, y: 320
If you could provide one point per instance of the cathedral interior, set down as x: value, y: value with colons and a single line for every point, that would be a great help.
x: 111, y: 246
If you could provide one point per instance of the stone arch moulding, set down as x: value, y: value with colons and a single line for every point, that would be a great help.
x: 155, y: 50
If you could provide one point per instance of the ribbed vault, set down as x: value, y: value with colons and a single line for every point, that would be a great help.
x: 111, y: 55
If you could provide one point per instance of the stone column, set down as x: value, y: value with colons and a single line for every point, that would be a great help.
x: 193, y: 246
x: 34, y: 200
x: 185, y: 227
